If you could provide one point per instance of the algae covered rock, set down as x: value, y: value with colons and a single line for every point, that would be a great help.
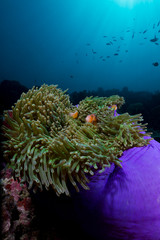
x: 47, y: 147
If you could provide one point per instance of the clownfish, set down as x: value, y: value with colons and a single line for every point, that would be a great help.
x: 114, y: 107
x: 74, y: 115
x: 92, y: 119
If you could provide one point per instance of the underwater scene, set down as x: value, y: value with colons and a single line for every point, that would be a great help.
x: 80, y: 119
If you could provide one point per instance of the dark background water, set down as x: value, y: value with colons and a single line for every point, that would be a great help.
x: 82, y: 44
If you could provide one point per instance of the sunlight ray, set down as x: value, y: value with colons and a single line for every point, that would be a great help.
x: 131, y: 3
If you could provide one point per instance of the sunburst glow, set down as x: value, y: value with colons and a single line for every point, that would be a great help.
x: 131, y: 3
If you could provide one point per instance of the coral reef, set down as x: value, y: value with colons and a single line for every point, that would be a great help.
x: 46, y: 146
x: 17, y: 209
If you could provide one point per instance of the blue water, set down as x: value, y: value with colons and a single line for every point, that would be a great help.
x: 64, y: 42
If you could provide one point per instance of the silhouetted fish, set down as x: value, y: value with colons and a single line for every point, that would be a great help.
x: 116, y: 54
x: 158, y: 23
x: 88, y: 44
x: 93, y: 51
x: 144, y: 31
x: 157, y: 43
x: 109, y: 43
x: 104, y: 36
x: 154, y: 39
x: 133, y: 35
x: 121, y: 38
x: 126, y: 51
x: 154, y: 25
x: 155, y: 64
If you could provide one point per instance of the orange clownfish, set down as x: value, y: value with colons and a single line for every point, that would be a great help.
x: 92, y: 119
x: 114, y: 107
x: 74, y: 115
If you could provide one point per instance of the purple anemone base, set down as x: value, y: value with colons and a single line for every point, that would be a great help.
x: 124, y: 203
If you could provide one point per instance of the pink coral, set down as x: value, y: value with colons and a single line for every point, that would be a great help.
x: 17, y: 208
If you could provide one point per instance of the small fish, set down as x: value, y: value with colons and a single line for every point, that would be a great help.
x: 116, y: 54
x: 88, y: 44
x: 157, y: 43
x: 156, y: 64
x: 158, y: 23
x: 74, y: 115
x: 114, y: 107
x: 93, y: 51
x: 121, y: 38
x: 109, y: 43
x: 91, y: 119
x: 144, y: 31
x: 154, y: 26
x: 126, y: 51
x: 104, y: 36
x: 133, y: 35
x: 155, y: 39
x: 71, y: 76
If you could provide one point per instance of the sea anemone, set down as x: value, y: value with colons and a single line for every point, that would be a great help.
x: 123, y: 203
x: 47, y: 147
